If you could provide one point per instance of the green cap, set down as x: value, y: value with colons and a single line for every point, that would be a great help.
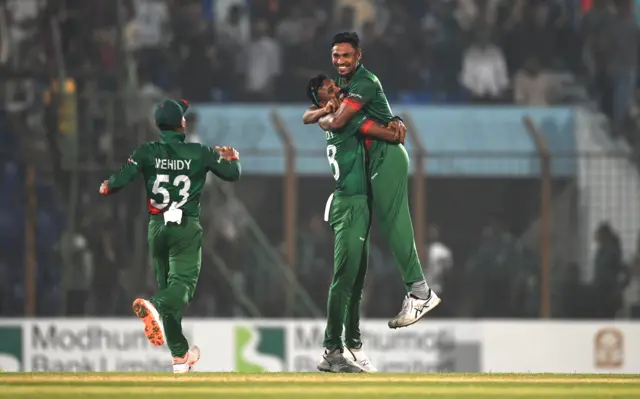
x: 170, y: 113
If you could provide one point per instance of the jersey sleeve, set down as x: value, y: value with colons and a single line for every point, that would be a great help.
x: 356, y: 122
x: 226, y: 170
x: 129, y: 171
x: 360, y: 93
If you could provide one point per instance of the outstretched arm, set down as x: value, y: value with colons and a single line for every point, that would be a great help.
x: 127, y: 173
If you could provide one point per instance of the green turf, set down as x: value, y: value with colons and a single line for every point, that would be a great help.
x: 317, y: 385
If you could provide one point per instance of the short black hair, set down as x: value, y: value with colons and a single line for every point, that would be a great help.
x: 313, y: 86
x: 347, y: 37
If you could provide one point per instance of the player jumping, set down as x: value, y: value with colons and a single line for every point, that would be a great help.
x: 388, y: 168
x: 174, y: 174
x: 348, y: 213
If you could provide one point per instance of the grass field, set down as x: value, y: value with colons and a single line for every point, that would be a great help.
x: 316, y: 385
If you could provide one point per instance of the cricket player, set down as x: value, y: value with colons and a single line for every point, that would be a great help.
x: 388, y: 168
x: 348, y: 213
x: 174, y: 174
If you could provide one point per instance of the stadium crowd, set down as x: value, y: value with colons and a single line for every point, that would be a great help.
x: 528, y: 52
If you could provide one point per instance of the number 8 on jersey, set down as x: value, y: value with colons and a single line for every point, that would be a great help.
x: 331, y: 155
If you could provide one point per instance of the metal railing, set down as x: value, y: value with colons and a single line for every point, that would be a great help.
x: 98, y: 147
x: 427, y: 185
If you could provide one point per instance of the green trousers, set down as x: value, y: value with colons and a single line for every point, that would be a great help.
x: 389, y: 171
x: 176, y: 251
x: 350, y: 221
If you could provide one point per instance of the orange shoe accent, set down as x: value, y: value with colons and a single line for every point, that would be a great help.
x: 152, y: 329
x: 194, y: 355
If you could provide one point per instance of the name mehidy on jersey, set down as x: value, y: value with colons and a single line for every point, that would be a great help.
x: 173, y: 164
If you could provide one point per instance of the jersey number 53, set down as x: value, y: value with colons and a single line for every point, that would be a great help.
x: 166, y: 198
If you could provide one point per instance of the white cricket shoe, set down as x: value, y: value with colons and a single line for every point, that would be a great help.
x: 413, y: 309
x: 360, y: 359
x: 184, y: 364
x: 336, y: 362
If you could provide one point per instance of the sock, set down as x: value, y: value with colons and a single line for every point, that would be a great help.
x: 328, y: 351
x: 420, y: 290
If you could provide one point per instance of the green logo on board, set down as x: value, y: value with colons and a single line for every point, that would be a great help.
x: 10, y: 348
x: 259, y: 349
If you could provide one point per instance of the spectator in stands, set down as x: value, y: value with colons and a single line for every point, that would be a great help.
x: 611, y: 274
x: 444, y: 43
x: 359, y: 11
x: 538, y: 35
x: 313, y: 12
x: 315, y: 254
x: 346, y: 20
x: 309, y: 63
x: 622, y: 56
x: 80, y: 271
x: 484, y: 70
x: 403, y: 32
x: 569, y: 288
x: 594, y: 25
x: 290, y: 29
x: 377, y: 48
x: 147, y: 27
x: 148, y: 89
x: 439, y: 260
x: 104, y: 41
x: 235, y: 28
x: 533, y: 85
x: 102, y: 238
x: 632, y: 293
x: 262, y: 65
x: 401, y: 26
x: 492, y: 272
x: 200, y: 72
x: 510, y: 16
x: 147, y: 35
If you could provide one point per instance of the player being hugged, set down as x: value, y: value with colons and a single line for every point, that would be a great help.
x: 388, y: 168
x: 348, y: 213
x: 174, y: 174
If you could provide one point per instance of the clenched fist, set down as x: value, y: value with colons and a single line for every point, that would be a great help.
x: 104, y: 188
x: 398, y: 126
x: 228, y: 153
x: 332, y: 106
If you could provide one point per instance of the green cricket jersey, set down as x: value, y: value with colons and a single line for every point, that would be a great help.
x: 346, y: 155
x: 366, y: 94
x: 174, y: 172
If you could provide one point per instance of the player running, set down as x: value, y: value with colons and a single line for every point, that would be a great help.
x: 388, y: 168
x: 348, y: 213
x: 174, y: 174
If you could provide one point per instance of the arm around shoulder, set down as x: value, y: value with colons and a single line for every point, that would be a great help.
x: 361, y: 93
x: 375, y: 130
